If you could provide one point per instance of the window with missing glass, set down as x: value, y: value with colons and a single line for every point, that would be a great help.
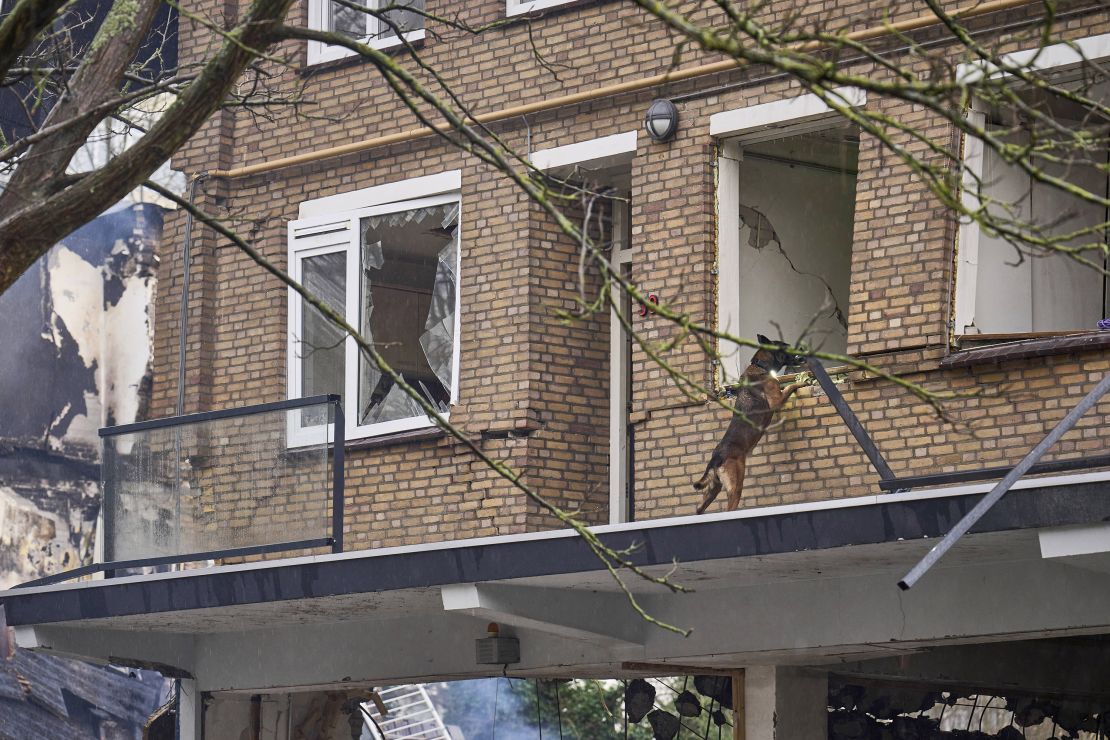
x: 1009, y: 287
x: 392, y: 271
x: 396, y: 21
x: 407, y: 309
x: 784, y: 262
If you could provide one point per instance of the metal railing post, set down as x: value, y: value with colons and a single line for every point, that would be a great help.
x: 1004, y: 485
x: 107, y: 498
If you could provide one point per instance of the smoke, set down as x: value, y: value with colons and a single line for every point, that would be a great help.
x: 492, y: 709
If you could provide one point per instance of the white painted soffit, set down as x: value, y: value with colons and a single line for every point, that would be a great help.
x: 1054, y: 56
x: 1082, y: 546
x: 605, y: 151
x: 785, y: 113
x: 416, y: 187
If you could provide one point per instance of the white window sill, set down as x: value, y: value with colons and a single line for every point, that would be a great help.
x: 385, y: 428
x: 320, y: 53
x: 422, y: 434
x: 382, y: 434
x: 523, y: 8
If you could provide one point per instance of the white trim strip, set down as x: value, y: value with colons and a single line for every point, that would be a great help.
x: 1063, y: 54
x: 789, y: 111
x: 517, y: 7
x: 417, y: 187
x: 600, y: 152
x: 1066, y: 542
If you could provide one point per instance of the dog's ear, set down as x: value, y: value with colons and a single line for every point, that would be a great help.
x: 762, y: 339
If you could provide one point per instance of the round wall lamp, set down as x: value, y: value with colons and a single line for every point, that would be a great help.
x: 661, y: 120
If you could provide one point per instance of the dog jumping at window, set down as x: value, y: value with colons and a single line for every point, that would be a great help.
x: 757, y: 401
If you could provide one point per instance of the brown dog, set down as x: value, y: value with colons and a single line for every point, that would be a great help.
x: 756, y: 403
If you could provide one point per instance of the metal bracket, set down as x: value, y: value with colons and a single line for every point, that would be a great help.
x: 850, y: 420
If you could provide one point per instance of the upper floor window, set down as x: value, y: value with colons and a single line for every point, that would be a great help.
x: 784, y: 262
x: 328, y: 15
x: 391, y: 270
x: 520, y: 7
x: 1010, y: 287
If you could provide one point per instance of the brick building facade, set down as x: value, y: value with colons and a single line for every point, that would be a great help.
x: 530, y: 385
x: 767, y: 211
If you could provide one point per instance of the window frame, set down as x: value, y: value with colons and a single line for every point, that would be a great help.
x: 351, y: 378
x: 374, y: 202
x: 523, y: 7
x: 1055, y: 58
x: 787, y: 116
x: 297, y: 435
x: 320, y: 20
x: 613, y: 151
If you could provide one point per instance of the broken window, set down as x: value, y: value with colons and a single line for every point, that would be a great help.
x: 796, y: 202
x: 1010, y: 286
x: 407, y: 305
x: 390, y: 270
x: 328, y: 15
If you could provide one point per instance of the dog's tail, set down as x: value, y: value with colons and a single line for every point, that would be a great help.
x: 710, y: 476
x: 710, y: 483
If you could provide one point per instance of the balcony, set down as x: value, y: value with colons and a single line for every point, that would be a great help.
x: 808, y: 583
x: 220, y: 485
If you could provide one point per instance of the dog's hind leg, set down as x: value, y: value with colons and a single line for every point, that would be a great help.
x: 711, y: 483
x: 734, y: 481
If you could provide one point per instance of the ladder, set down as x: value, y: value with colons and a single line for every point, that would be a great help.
x: 410, y: 715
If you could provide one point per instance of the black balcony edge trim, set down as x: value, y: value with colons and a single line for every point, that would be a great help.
x: 261, y: 408
x: 173, y: 559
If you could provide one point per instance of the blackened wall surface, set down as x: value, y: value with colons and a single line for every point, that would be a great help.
x: 75, y: 335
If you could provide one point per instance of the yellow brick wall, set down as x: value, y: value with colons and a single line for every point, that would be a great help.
x: 533, y: 391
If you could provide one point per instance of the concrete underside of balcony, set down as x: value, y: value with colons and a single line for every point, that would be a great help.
x: 811, y: 584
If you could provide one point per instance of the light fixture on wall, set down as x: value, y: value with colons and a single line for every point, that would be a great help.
x: 661, y: 120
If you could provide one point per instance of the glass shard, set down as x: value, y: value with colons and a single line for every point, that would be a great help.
x: 407, y: 299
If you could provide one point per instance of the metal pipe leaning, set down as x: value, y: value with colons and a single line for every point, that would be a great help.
x: 1004, y: 485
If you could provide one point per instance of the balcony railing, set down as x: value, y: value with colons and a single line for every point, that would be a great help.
x: 221, y: 484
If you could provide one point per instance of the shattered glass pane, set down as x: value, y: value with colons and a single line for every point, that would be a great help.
x: 795, y: 258
x: 348, y: 21
x: 372, y: 258
x: 405, y: 20
x: 321, y: 341
x: 438, y: 339
x: 407, y: 300
x: 395, y: 405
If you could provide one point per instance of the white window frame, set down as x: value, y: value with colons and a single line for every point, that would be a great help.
x: 607, y: 151
x: 325, y: 229
x: 1057, y: 58
x: 322, y: 235
x: 620, y: 380
x: 753, y: 124
x: 523, y: 7
x: 319, y: 18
